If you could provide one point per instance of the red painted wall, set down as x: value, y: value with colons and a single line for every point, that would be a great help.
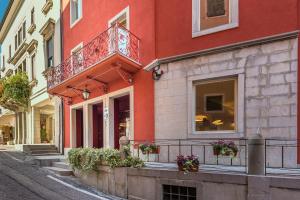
x: 257, y: 18
x: 96, y: 15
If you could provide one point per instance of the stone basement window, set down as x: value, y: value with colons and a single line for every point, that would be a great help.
x: 171, y: 192
x: 210, y: 16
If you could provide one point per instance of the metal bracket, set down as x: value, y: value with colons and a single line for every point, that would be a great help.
x: 103, y: 84
x: 69, y: 101
x: 126, y: 76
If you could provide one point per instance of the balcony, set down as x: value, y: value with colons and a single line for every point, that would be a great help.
x: 112, y: 55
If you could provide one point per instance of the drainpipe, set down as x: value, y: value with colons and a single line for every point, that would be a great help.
x: 62, y: 100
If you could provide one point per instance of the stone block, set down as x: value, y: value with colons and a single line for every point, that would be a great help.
x: 282, y: 121
x: 276, y: 90
x: 291, y: 77
x: 275, y: 46
x: 253, y: 71
x: 245, y: 52
x: 228, y: 191
x: 220, y: 57
x: 277, y: 79
x: 254, y: 91
x: 279, y: 68
x: 282, y: 110
x: 280, y: 57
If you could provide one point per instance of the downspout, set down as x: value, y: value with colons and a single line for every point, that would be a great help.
x: 298, y: 85
x: 62, y: 100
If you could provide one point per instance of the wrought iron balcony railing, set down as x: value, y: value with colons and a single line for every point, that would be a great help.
x: 115, y: 40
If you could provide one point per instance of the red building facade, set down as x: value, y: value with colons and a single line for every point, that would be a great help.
x: 225, y: 69
x: 105, y: 46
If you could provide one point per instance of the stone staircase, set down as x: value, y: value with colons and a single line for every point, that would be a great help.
x: 61, y: 168
x: 40, y: 149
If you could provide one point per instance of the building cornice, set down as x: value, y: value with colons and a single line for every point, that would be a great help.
x: 220, y: 49
x: 9, y: 17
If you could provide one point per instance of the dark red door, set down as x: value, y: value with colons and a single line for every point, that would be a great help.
x: 79, y: 128
x: 121, y: 116
x: 98, y: 125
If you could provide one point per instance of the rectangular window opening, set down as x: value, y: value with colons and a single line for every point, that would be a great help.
x: 179, y: 192
x: 215, y: 105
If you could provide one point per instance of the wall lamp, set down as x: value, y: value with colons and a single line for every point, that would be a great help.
x: 157, y: 73
x: 85, y: 94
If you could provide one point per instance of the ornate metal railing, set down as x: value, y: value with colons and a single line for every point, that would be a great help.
x: 115, y: 39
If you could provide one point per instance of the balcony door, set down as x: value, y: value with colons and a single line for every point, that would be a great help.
x: 121, y: 42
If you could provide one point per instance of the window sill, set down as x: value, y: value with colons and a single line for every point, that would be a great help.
x: 216, y: 135
x: 75, y: 22
x: 214, y: 30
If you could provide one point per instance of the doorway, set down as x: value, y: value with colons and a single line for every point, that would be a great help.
x: 98, y: 125
x: 79, y: 127
x: 121, y: 118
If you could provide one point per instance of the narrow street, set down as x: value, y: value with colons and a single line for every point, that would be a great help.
x: 21, y: 180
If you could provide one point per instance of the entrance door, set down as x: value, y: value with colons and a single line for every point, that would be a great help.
x: 121, y: 118
x: 79, y: 128
x: 98, y: 125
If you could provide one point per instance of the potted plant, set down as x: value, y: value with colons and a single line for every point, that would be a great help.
x: 187, y: 163
x: 224, y: 148
x: 149, y: 148
x: 217, y: 147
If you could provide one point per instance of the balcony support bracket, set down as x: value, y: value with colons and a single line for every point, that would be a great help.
x: 126, y: 76
x: 104, y: 85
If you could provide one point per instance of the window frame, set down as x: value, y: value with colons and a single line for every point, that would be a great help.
x: 216, y: 80
x: 47, y: 52
x: 73, y: 23
x: 239, y: 76
x: 32, y: 66
x: 196, y: 13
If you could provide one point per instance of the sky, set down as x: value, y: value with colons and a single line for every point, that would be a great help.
x: 3, y: 5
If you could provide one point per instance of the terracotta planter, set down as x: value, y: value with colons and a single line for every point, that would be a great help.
x: 217, y: 152
x: 195, y: 168
x: 156, y: 151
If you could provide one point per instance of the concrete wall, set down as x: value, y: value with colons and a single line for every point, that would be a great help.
x: 147, y: 184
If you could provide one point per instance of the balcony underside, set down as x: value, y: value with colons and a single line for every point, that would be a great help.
x: 98, y: 76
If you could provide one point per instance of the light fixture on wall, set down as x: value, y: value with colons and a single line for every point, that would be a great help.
x: 85, y: 94
x: 157, y: 73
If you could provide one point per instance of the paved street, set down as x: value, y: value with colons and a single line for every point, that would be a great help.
x: 20, y: 180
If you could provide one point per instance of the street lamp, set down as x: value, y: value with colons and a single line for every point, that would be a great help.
x: 85, y: 94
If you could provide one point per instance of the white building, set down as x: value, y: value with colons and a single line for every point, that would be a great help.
x: 30, y: 40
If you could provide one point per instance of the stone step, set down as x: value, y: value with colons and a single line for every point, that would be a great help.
x: 60, y: 171
x: 35, y: 152
x: 45, y: 154
x: 62, y: 165
x: 39, y: 146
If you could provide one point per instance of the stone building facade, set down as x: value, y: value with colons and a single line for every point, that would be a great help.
x: 266, y: 94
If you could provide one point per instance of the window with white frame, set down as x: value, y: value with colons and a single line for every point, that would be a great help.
x: 211, y: 16
x: 215, y: 105
x: 75, y: 11
x: 50, y: 52
x: 77, y: 58
x: 33, y: 75
x: 20, y: 35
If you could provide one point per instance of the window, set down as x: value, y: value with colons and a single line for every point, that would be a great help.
x: 50, y: 51
x: 33, y: 67
x: 16, y: 42
x: 32, y: 16
x: 77, y: 58
x: 9, y: 52
x: 20, y: 37
x: 3, y: 63
x: 122, y: 19
x: 76, y: 10
x: 211, y: 16
x: 22, y: 67
x: 215, y: 105
x: 24, y: 30
x: 179, y: 192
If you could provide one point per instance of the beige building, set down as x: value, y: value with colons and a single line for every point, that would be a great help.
x: 28, y: 36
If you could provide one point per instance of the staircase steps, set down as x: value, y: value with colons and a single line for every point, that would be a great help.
x: 61, y: 165
x: 40, y: 149
x: 60, y: 171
